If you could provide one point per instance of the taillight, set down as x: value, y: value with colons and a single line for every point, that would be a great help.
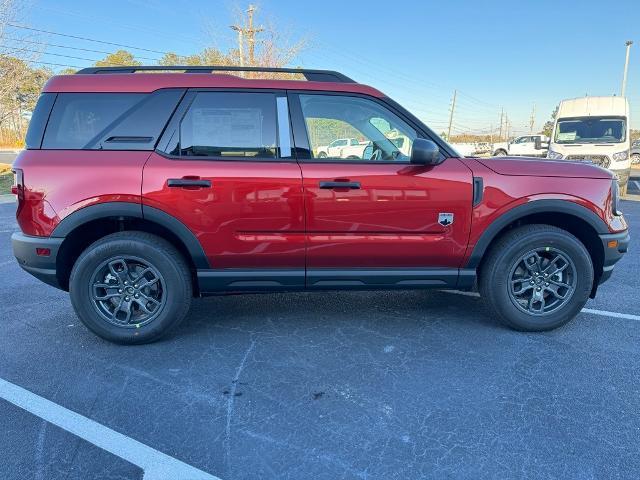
x: 18, y: 184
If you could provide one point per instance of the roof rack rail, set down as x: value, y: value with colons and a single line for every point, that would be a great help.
x: 311, y: 75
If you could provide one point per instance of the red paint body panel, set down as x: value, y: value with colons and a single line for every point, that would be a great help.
x: 150, y: 82
x: 59, y: 182
x: 251, y: 217
x: 519, y: 166
x: 505, y: 192
x: 392, y: 221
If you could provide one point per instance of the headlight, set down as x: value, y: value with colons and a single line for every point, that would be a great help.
x: 554, y: 155
x: 620, y: 156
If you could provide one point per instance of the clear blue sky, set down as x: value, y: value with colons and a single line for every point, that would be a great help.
x: 496, y: 53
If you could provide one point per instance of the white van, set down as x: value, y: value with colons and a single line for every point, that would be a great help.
x: 594, y: 129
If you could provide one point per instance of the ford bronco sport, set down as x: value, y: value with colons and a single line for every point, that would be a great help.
x: 138, y: 191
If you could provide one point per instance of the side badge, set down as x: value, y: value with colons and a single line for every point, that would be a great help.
x: 445, y: 219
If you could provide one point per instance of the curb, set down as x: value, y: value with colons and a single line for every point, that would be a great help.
x: 9, y: 198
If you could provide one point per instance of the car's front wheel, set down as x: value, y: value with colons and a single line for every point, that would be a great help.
x: 130, y: 287
x: 537, y: 277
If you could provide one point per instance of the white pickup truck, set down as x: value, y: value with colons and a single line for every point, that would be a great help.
x: 525, y: 146
x: 343, y: 148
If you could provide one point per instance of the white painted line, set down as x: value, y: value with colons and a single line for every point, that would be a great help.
x: 603, y: 313
x: 462, y: 292
x: 156, y: 465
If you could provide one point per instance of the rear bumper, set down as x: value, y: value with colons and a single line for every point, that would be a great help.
x: 613, y: 254
x: 41, y: 267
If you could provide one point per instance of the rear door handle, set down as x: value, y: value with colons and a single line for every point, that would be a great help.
x: 349, y: 185
x: 188, y: 182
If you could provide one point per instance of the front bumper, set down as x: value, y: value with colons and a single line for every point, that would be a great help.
x: 619, y: 245
x: 40, y: 266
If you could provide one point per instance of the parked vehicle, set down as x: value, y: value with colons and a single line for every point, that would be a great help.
x: 139, y: 191
x: 635, y: 152
x: 342, y: 148
x: 596, y: 130
x: 524, y: 146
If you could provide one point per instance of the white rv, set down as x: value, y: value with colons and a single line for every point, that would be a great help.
x: 594, y: 129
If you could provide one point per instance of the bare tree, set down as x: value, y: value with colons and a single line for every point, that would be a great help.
x: 7, y: 14
x: 262, y: 44
x: 20, y: 83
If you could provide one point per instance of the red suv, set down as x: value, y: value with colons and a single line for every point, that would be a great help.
x: 138, y: 191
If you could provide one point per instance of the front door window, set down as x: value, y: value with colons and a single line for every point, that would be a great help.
x: 354, y: 128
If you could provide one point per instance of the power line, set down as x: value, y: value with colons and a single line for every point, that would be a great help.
x: 33, y: 42
x: 85, y: 39
x: 19, y: 49
x: 53, y: 64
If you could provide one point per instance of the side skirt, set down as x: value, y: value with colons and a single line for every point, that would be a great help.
x: 273, y: 280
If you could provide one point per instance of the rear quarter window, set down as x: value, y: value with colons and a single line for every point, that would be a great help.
x: 109, y: 121
x: 39, y: 119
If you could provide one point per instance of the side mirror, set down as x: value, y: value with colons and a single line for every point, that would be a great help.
x: 425, y: 152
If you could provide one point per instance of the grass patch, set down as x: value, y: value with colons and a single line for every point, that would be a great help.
x: 6, y: 180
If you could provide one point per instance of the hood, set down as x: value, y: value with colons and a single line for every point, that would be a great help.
x: 537, y: 167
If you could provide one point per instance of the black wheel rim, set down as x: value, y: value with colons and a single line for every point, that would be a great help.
x: 127, y: 292
x: 542, y: 281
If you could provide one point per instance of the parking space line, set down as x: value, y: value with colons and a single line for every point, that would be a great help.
x: 606, y: 313
x: 156, y: 465
x: 592, y: 311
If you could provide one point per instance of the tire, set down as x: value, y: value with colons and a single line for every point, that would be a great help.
x: 500, y: 153
x: 322, y: 155
x: 635, y: 158
x: 105, y: 266
x: 504, y: 263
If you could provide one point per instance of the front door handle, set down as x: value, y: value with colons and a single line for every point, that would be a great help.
x: 349, y: 185
x: 188, y: 182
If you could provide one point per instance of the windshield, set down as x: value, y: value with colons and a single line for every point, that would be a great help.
x: 591, y: 130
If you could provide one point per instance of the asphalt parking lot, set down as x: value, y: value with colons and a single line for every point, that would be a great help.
x: 369, y: 385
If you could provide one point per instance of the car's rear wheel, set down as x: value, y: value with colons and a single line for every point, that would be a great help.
x: 635, y: 158
x: 130, y: 287
x: 537, y: 277
x: 322, y: 155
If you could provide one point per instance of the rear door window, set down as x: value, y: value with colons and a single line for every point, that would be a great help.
x: 228, y: 125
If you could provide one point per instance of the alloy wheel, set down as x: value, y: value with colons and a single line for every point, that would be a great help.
x: 127, y: 291
x: 542, y: 281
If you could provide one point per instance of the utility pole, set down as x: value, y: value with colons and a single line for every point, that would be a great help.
x: 240, y: 31
x: 628, y: 44
x: 532, y: 119
x: 501, y: 122
x: 251, y: 34
x: 453, y: 106
x: 506, y: 125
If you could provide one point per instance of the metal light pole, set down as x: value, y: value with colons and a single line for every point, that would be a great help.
x: 628, y: 43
